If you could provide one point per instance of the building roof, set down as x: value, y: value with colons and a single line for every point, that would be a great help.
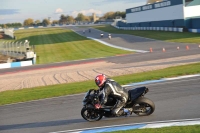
x: 153, y: 1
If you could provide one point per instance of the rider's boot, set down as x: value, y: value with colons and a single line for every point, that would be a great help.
x: 120, y: 113
x: 128, y: 111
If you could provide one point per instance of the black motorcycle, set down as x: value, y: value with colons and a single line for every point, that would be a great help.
x: 137, y: 103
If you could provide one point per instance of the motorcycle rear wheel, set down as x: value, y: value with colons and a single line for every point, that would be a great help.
x: 91, y: 115
x: 144, y: 107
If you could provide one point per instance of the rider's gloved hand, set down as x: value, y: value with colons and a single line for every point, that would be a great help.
x: 97, y: 106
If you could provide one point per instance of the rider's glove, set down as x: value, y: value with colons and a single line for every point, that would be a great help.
x: 97, y: 106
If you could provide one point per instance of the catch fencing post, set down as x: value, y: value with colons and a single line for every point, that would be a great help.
x: 164, y: 50
x: 20, y: 47
x: 151, y: 50
x: 13, y: 48
x: 187, y: 47
x: 6, y: 48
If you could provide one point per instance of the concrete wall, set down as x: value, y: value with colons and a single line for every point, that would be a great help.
x: 167, y: 23
x: 16, y: 64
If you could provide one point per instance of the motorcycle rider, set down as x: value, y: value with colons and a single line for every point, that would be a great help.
x: 101, y: 34
x: 109, y: 87
x: 109, y: 36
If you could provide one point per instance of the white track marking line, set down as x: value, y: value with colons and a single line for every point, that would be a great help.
x: 196, y: 120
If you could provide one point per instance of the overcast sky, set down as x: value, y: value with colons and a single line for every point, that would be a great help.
x: 19, y: 10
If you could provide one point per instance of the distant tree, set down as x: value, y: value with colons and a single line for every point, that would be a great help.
x: 8, y: 25
x: 16, y: 25
x: 80, y: 17
x: 13, y: 25
x: 63, y: 19
x: 113, y: 15
x: 45, y: 22
x: 28, y: 22
x: 37, y: 22
x: 4, y: 26
x: 55, y: 22
x: 109, y: 15
x: 19, y: 25
x: 70, y: 19
x: 91, y: 18
x: 87, y: 18
x: 122, y: 14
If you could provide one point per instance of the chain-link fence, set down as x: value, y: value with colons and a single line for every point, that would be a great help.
x: 15, y: 49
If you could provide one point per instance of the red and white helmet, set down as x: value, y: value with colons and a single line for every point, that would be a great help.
x: 100, y: 79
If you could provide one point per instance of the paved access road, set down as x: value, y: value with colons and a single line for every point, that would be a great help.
x: 177, y: 99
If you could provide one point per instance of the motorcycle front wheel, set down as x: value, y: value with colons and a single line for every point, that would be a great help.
x: 90, y: 114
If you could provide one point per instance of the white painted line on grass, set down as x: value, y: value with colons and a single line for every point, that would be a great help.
x: 111, y: 45
x: 114, y: 46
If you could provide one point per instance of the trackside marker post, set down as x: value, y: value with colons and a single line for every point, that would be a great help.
x: 151, y: 50
x: 163, y: 50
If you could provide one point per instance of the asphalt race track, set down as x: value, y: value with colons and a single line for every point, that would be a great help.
x: 131, y: 41
x: 76, y: 71
x: 127, y: 41
x: 124, y: 59
x: 177, y: 99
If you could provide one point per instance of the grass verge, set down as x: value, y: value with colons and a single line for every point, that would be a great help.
x: 183, y: 37
x: 176, y: 129
x: 23, y: 95
x: 58, y: 44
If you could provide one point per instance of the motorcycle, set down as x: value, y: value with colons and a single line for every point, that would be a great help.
x: 109, y: 36
x: 137, y: 103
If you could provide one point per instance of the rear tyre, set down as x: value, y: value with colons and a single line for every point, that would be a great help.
x: 91, y: 115
x: 143, y: 107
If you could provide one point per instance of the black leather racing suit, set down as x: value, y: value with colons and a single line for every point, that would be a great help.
x: 113, y: 89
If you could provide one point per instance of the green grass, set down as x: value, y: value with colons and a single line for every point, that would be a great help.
x: 176, y: 129
x: 23, y: 95
x: 57, y: 44
x: 183, y: 37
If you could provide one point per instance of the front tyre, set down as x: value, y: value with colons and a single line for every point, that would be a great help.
x: 90, y: 114
x: 143, y: 107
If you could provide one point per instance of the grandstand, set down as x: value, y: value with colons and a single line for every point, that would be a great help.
x: 164, y: 13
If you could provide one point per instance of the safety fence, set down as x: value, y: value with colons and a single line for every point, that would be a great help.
x: 56, y: 25
x: 16, y: 49
x: 151, y: 28
x: 16, y: 64
x: 194, y: 30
